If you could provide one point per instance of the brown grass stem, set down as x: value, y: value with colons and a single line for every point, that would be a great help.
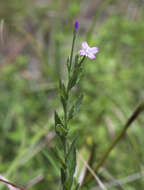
x: 133, y: 117
x: 12, y: 184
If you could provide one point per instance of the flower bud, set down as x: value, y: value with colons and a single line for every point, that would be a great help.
x: 76, y: 25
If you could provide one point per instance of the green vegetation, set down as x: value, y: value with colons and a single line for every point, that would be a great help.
x: 35, y: 40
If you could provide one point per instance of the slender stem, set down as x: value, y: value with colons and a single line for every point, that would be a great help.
x: 12, y: 184
x: 136, y: 113
x: 65, y: 115
x: 82, y: 60
x: 65, y: 149
x: 65, y: 110
x: 71, y: 56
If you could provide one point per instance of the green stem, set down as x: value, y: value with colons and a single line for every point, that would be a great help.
x: 71, y: 56
x: 65, y: 118
x: 82, y: 60
x: 65, y: 148
x: 137, y: 112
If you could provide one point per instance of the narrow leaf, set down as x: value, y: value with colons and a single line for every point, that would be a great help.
x: 68, y: 183
x: 77, y: 187
x: 75, y: 108
x: 63, y: 176
x: 63, y: 94
x: 57, y: 119
x: 71, y: 158
x: 76, y: 74
x: 68, y: 64
x: 61, y: 130
x: 57, y: 122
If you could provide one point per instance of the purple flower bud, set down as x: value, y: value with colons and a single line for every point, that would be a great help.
x: 76, y: 25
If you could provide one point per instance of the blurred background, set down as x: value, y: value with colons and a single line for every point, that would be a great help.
x: 35, y: 40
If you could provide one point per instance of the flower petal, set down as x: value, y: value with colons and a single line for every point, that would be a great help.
x: 88, y: 51
x: 91, y: 56
x: 94, y: 50
x: 85, y: 45
x: 82, y: 52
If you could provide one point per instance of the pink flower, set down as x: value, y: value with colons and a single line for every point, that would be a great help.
x: 88, y: 51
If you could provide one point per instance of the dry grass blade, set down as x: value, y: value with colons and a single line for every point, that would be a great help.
x: 1, y: 30
x: 125, y: 180
x: 111, y: 179
x: 101, y: 185
x: 35, y: 180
